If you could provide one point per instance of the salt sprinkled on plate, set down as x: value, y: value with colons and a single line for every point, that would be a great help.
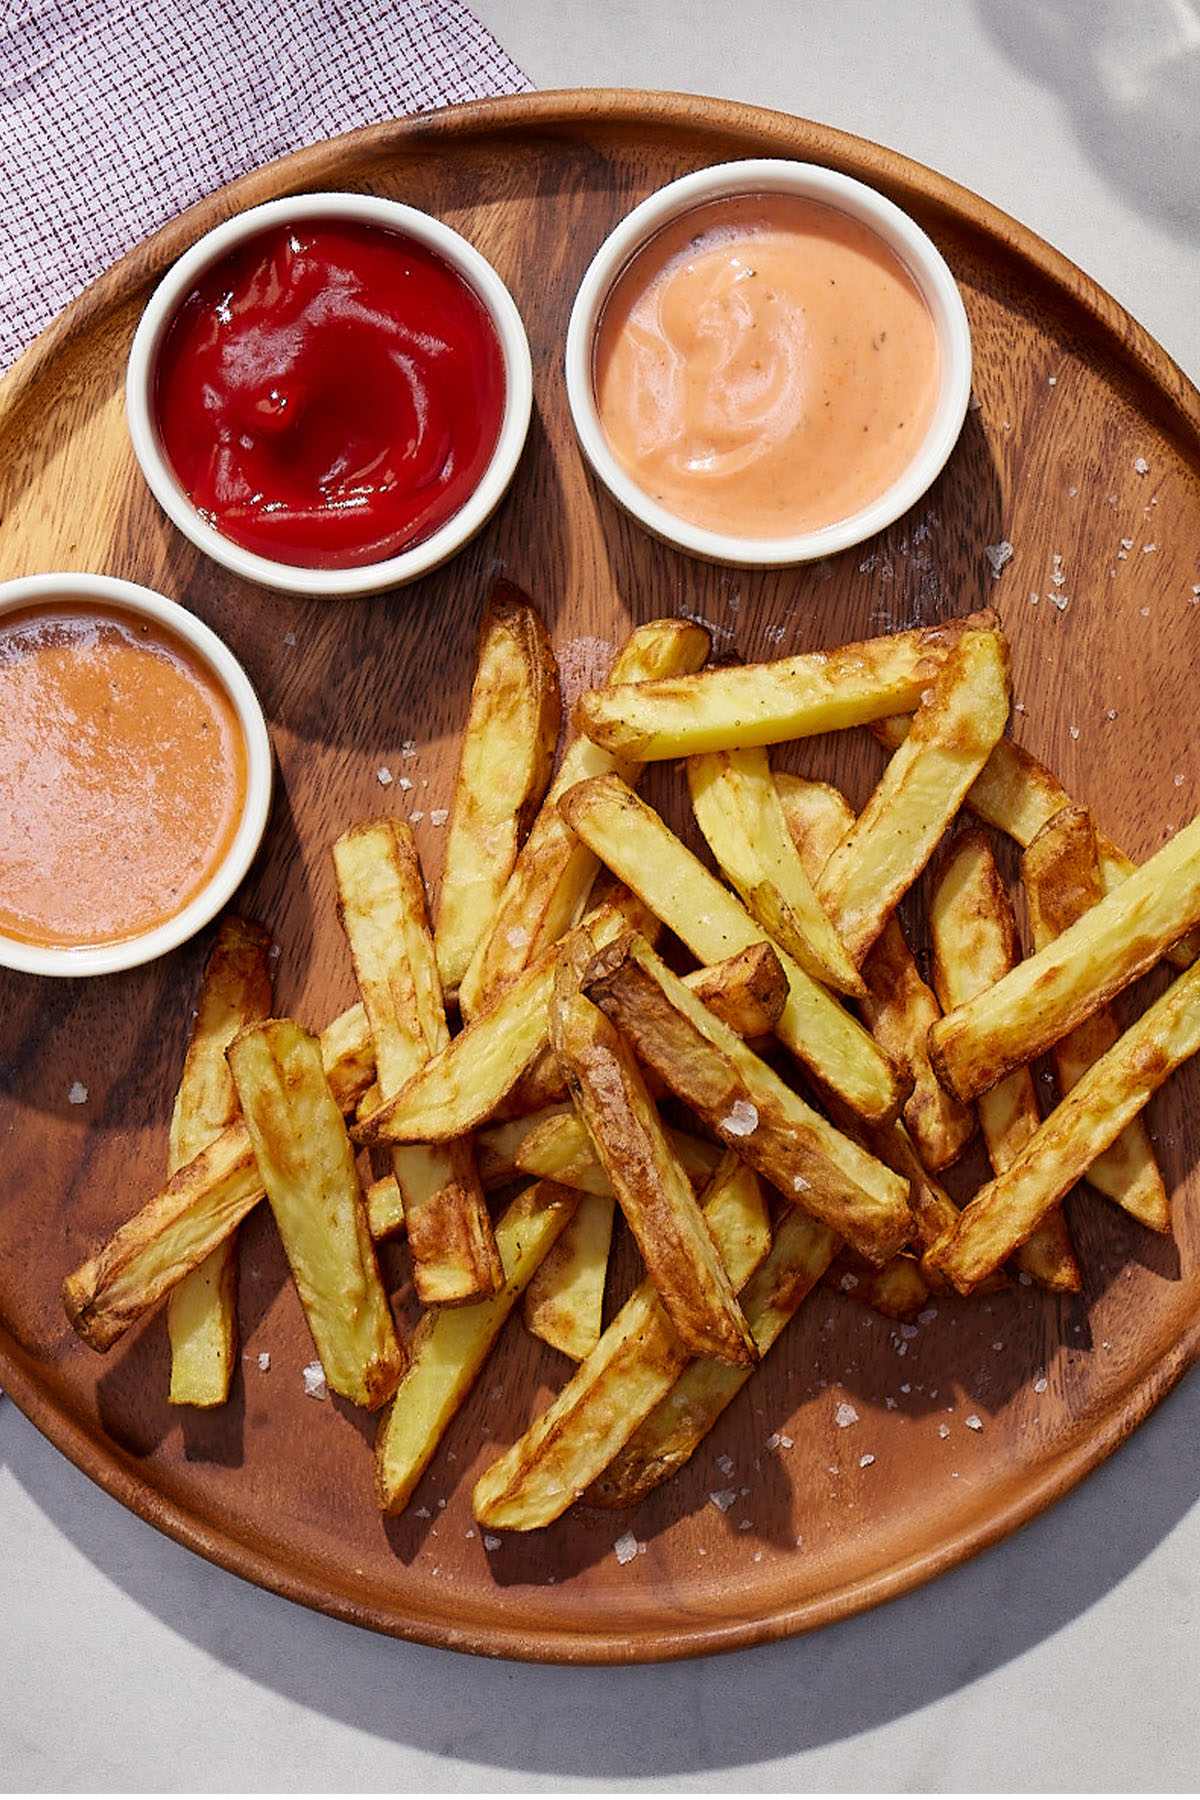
x: 845, y: 1415
x: 314, y: 1381
x: 725, y: 1464
x: 1040, y: 1385
x: 490, y: 1542
x: 741, y: 1119
x: 849, y: 1282
x: 439, y: 815
x: 414, y: 818
x: 384, y: 776
x: 1074, y: 730
x: 626, y: 1547
x: 422, y: 1512
x: 1140, y: 466
x: 998, y: 555
x: 723, y: 1499
x: 289, y: 638
x: 405, y: 784
x: 864, y: 1462
x: 264, y: 1360
x: 743, y: 1524
x: 779, y: 1440
x: 408, y: 747
x: 77, y: 1094
x: 1059, y: 600
x: 943, y: 1431
x: 973, y: 1422
x: 928, y: 1316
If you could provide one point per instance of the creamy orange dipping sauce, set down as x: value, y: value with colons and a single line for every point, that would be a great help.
x: 765, y: 366
x: 122, y: 773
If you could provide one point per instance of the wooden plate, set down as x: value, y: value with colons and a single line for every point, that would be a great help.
x: 277, y: 1486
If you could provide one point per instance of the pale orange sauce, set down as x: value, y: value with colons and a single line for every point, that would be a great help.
x: 122, y: 774
x: 765, y: 366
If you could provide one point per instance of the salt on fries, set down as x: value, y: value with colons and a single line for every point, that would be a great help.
x: 579, y: 1041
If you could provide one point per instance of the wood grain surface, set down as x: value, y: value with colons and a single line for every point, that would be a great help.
x: 277, y: 1486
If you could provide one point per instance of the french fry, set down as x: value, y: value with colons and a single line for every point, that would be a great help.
x: 738, y: 809
x: 451, y: 1345
x: 974, y: 938
x: 307, y: 1167
x: 385, y: 1206
x: 898, y: 1291
x: 504, y: 765
x: 549, y: 884
x: 202, y: 1204
x: 651, y: 1187
x: 561, y: 1149
x: 899, y: 1006
x: 679, y: 890
x: 921, y: 791
x: 202, y: 1312
x: 381, y: 902
x: 1060, y: 986
x: 768, y: 703
x: 1019, y: 795
x: 1061, y: 873
x: 564, y: 1303
x: 498, y: 1146
x: 1084, y: 1123
x: 743, y: 1102
x: 687, y: 1412
x: 635, y: 1362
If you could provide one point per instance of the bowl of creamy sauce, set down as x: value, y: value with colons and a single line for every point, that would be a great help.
x: 135, y: 774
x: 767, y: 362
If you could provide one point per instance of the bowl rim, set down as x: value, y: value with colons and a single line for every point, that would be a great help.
x: 449, y: 538
x: 129, y: 953
x: 922, y: 259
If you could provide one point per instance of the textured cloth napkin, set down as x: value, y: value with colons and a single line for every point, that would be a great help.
x: 117, y: 114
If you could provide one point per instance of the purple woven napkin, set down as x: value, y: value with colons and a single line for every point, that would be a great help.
x: 116, y: 114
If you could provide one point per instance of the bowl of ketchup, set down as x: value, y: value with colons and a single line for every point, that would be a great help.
x: 329, y: 394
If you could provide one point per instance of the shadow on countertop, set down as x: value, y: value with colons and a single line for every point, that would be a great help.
x: 626, y: 1724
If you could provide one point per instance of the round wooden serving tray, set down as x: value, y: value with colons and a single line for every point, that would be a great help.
x: 277, y: 1486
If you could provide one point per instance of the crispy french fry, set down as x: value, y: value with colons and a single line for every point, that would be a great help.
x: 1061, y: 873
x: 635, y: 1362
x: 1083, y: 1124
x: 680, y: 891
x: 922, y: 789
x: 202, y: 1204
x: 1057, y: 988
x: 738, y: 809
x: 504, y: 765
x: 451, y: 1345
x: 899, y: 1290
x: 684, y: 1416
x: 768, y: 703
x: 651, y: 1187
x: 564, y: 1303
x: 1019, y: 795
x: 974, y: 938
x: 307, y: 1167
x: 385, y: 1206
x: 202, y: 1314
x: 381, y: 902
x: 464, y: 1084
x: 899, y: 1007
x: 561, y: 1149
x: 743, y: 1101
x: 548, y: 887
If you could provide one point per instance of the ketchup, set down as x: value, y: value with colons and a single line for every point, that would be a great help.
x: 330, y: 393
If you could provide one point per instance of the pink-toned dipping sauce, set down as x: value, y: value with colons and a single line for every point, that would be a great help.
x: 765, y: 366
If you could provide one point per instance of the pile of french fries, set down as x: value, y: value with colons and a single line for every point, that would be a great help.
x: 763, y: 1121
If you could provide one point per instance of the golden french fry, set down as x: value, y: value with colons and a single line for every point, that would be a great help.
x: 561, y: 1149
x: 768, y: 703
x: 497, y: 1146
x: 564, y: 1303
x: 1083, y: 1124
x: 504, y: 764
x: 381, y: 902
x: 651, y: 1187
x: 1060, y: 986
x: 738, y: 809
x: 743, y: 1102
x: 1019, y: 795
x: 679, y: 890
x: 451, y: 1345
x: 974, y: 938
x: 899, y: 1290
x: 549, y: 884
x: 202, y: 1313
x: 1061, y: 873
x: 922, y: 789
x: 898, y: 1006
x: 684, y: 1416
x: 385, y: 1206
x: 307, y: 1167
x: 635, y: 1362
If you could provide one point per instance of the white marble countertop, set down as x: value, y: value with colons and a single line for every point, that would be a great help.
x: 1064, y: 1659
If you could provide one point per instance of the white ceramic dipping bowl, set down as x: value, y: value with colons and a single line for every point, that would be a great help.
x: 923, y: 262
x: 449, y: 538
x: 129, y: 953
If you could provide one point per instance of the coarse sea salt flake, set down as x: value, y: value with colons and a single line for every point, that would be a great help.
x: 973, y: 1422
x: 1140, y: 466
x: 439, y: 815
x: 408, y: 747
x: 264, y: 1359
x: 626, y: 1547
x: 725, y: 1464
x: 864, y: 1462
x: 943, y: 1431
x: 724, y: 1498
x: 384, y: 776
x: 314, y: 1381
x: 998, y: 555
x: 845, y: 1415
x: 490, y: 1542
x: 1040, y: 1385
x: 741, y: 1119
x: 77, y: 1094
